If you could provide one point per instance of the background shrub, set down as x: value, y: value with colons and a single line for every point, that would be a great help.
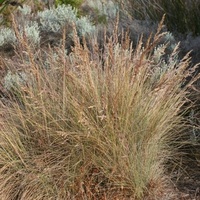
x: 7, y: 37
x: 73, y: 3
x: 181, y: 15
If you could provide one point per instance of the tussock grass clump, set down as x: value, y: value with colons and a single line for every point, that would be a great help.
x: 94, y: 124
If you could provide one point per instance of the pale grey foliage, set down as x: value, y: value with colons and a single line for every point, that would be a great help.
x: 159, y: 51
x: 7, y: 36
x: 84, y: 26
x: 169, y: 37
x: 55, y: 18
x: 32, y: 32
x: 26, y: 10
x: 48, y: 21
x: 14, y: 80
x: 27, y: 27
x: 107, y: 8
x: 165, y: 56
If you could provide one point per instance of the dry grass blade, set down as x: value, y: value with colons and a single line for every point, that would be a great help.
x: 92, y: 128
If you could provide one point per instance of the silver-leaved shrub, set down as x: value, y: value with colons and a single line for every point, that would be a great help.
x: 14, y: 80
x: 7, y: 36
x: 55, y: 19
x: 32, y: 33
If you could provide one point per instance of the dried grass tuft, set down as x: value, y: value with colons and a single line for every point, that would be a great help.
x: 92, y: 125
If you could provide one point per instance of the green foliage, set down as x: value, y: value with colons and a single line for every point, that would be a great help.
x: 73, y: 3
x: 100, y: 18
x: 181, y: 15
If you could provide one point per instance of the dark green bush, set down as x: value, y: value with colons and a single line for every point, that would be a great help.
x: 181, y: 15
x: 73, y: 3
